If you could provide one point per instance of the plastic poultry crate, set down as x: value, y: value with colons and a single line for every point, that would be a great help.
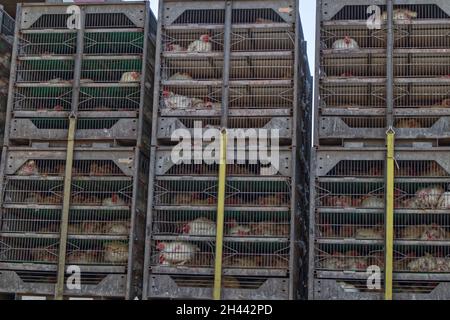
x: 252, y: 57
x: 105, y: 203
x: 114, y: 75
x: 347, y: 213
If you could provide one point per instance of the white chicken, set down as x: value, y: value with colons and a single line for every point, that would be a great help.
x: 444, y: 201
x: 176, y: 101
x: 176, y: 253
x: 200, y: 227
x: 372, y: 202
x: 240, y: 231
x: 180, y: 76
x: 345, y: 44
x: 132, y: 76
x: 28, y: 169
x: 423, y: 232
x: 401, y: 15
x: 116, y: 252
x: 340, y: 201
x: 269, y: 229
x: 428, y: 198
x: 175, y: 47
x: 201, y: 45
x: 114, y: 200
x: 428, y: 263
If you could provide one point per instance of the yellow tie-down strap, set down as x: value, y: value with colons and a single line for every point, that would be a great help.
x: 389, y: 246
x: 220, y: 215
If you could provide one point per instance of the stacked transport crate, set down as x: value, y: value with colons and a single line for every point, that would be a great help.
x: 75, y: 163
x: 347, y: 221
x: 6, y: 42
x: 235, y: 65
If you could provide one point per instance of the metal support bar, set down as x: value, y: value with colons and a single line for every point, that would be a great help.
x: 220, y: 215
x: 152, y: 161
x: 390, y: 65
x: 389, y: 249
x: 59, y: 291
x: 226, y: 63
x: 390, y: 141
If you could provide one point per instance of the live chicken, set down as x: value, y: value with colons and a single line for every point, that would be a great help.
x: 401, y: 15
x: 180, y: 76
x: 268, y: 229
x: 176, y: 253
x: 423, y: 232
x: 372, y: 202
x: 444, y: 201
x: 428, y: 198
x: 181, y: 199
x: 201, y: 45
x: 28, y: 169
x: 175, y: 47
x: 262, y: 20
x: 200, y: 227
x: 348, y: 261
x: 345, y: 44
x: 176, y: 101
x: 5, y: 60
x: 4, y: 84
x: 116, y: 252
x: 114, y: 200
x: 435, y: 170
x: 98, y: 169
x: 33, y: 198
x: 410, y: 203
x: 340, y: 201
x: 241, y: 262
x: 122, y: 227
x: 429, y: 263
x: 42, y: 254
x: 444, y: 104
x: 238, y: 230
x: 409, y: 124
x: 272, y: 200
x: 369, y: 233
x: 132, y: 76
x: 355, y: 262
x: 82, y: 257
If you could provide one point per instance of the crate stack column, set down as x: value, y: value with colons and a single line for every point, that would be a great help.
x: 227, y: 64
x: 76, y: 161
